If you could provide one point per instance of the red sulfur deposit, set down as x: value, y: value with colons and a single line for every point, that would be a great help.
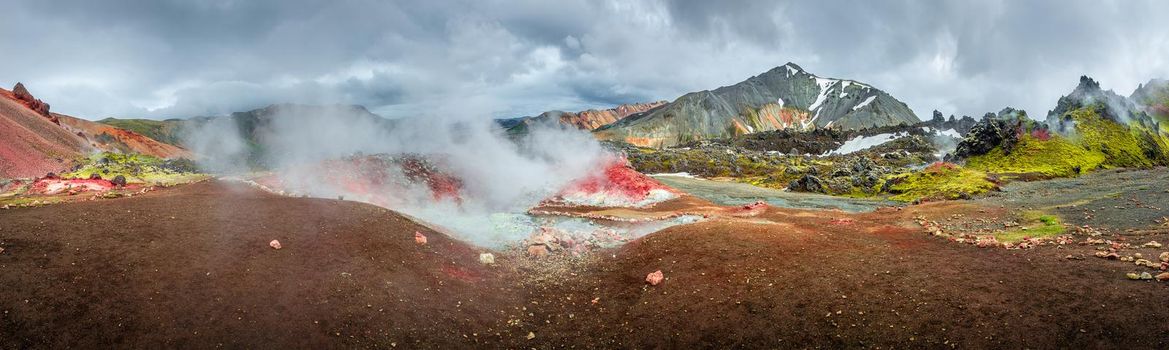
x: 51, y: 184
x: 618, y: 185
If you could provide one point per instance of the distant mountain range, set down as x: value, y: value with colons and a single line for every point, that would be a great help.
x: 585, y: 120
x: 784, y: 98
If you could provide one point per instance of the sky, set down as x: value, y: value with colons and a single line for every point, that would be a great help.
x: 505, y: 58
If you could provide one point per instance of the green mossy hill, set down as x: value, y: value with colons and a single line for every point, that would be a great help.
x: 1118, y: 143
x: 136, y: 168
x: 166, y: 131
x: 1055, y: 157
x: 938, y: 181
x: 1096, y: 141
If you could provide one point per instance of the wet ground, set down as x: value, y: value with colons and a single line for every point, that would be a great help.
x: 1113, y: 199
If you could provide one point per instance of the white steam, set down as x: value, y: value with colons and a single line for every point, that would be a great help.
x: 501, y: 178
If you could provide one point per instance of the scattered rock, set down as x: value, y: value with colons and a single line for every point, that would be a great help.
x: 1138, y: 255
x: 119, y: 180
x: 1152, y: 244
x: 274, y: 244
x: 486, y: 258
x: 1145, y: 262
x: 531, y: 335
x: 1164, y: 276
x: 1164, y: 257
x: 654, y: 278
x: 419, y: 238
x: 538, y: 250
x: 1107, y: 255
x: 808, y: 183
x: 1146, y: 276
x: 1132, y: 276
x: 1, y: 250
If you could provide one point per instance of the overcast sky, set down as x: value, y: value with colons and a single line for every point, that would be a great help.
x: 170, y: 58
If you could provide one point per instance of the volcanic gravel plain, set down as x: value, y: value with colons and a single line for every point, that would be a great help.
x: 191, y: 267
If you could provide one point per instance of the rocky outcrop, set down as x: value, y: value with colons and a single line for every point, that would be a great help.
x: 1088, y: 93
x: 784, y: 98
x: 33, y: 103
x: 31, y: 144
x: 960, y: 125
x: 1153, y: 97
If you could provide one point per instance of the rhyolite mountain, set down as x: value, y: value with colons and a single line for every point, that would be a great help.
x: 35, y: 141
x: 784, y: 98
x: 585, y: 120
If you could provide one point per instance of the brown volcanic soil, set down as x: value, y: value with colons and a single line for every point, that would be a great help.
x: 191, y: 267
x: 124, y: 273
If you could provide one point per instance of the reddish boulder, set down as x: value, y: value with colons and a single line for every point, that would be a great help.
x: 33, y: 103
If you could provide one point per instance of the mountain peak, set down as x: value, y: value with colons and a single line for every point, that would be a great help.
x: 1087, y: 84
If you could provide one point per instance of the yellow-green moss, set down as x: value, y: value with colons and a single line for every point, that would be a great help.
x: 1118, y: 143
x: 939, y: 181
x: 1037, y: 225
x: 1056, y: 157
x: 137, y: 168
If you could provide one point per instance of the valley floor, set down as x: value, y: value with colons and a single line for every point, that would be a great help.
x: 190, y: 266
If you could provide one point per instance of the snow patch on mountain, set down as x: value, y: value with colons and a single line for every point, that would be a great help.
x: 861, y: 143
x: 866, y: 102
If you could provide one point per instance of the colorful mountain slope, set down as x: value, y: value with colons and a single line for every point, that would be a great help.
x: 31, y: 143
x: 112, y: 139
x: 784, y: 98
x: 585, y: 120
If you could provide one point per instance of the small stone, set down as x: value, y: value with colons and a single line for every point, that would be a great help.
x: 1, y: 250
x: 654, y: 278
x: 1138, y: 255
x: 1152, y: 244
x: 274, y: 244
x: 531, y: 335
x: 1164, y: 276
x: 419, y: 238
x: 1164, y: 257
x: 1132, y: 276
x: 486, y: 258
x: 1146, y: 276
x: 538, y: 250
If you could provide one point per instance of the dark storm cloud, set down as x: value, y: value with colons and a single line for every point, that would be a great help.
x: 500, y: 58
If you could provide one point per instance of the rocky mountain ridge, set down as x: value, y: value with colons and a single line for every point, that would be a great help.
x: 784, y: 98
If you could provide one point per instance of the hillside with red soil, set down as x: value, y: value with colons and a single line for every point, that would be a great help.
x: 111, y: 139
x: 31, y: 143
x: 595, y: 118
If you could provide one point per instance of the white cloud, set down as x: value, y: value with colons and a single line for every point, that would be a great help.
x: 517, y: 57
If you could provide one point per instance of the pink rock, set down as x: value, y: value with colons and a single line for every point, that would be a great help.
x: 654, y: 278
x: 274, y: 244
x: 419, y: 238
x: 538, y: 250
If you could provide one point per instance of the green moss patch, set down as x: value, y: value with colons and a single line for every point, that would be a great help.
x: 1055, y: 157
x: 137, y: 168
x: 1034, y: 225
x: 939, y: 181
